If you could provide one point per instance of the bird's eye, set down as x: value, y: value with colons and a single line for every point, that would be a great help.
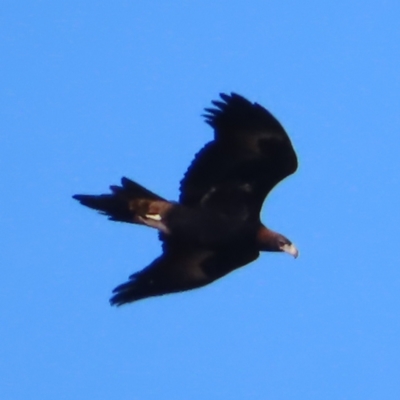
x: 283, y: 241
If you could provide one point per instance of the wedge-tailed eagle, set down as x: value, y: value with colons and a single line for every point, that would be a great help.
x: 215, y: 226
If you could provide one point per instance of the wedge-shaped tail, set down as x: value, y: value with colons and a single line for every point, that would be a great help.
x: 129, y: 202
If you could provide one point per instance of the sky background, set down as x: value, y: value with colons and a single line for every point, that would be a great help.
x: 95, y: 90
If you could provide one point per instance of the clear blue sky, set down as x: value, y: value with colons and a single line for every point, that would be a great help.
x: 92, y: 91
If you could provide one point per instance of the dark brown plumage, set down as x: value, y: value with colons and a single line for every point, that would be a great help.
x: 215, y: 227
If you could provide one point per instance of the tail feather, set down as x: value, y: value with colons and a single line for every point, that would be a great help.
x: 134, y: 190
x: 118, y: 205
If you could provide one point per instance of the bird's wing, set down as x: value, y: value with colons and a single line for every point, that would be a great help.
x: 178, y: 269
x: 250, y: 154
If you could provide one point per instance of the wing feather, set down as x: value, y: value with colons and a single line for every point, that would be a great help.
x: 181, y: 268
x: 250, y: 154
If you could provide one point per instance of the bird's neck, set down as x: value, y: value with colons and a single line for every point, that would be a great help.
x: 266, y: 239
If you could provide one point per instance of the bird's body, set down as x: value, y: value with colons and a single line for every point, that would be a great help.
x: 215, y: 226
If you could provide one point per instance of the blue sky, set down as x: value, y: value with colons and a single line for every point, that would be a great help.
x: 95, y: 91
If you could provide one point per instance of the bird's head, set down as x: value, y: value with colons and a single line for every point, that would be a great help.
x: 272, y: 241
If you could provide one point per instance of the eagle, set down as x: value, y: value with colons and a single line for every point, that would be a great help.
x: 214, y: 227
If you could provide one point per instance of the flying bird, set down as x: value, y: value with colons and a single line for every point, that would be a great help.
x: 214, y: 227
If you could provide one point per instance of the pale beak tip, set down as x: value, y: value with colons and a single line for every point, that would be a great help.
x: 290, y: 249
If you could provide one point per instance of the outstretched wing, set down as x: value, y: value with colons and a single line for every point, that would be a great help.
x: 169, y: 273
x: 250, y: 154
x: 181, y: 268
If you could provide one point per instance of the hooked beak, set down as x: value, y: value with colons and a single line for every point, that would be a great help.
x: 290, y: 249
